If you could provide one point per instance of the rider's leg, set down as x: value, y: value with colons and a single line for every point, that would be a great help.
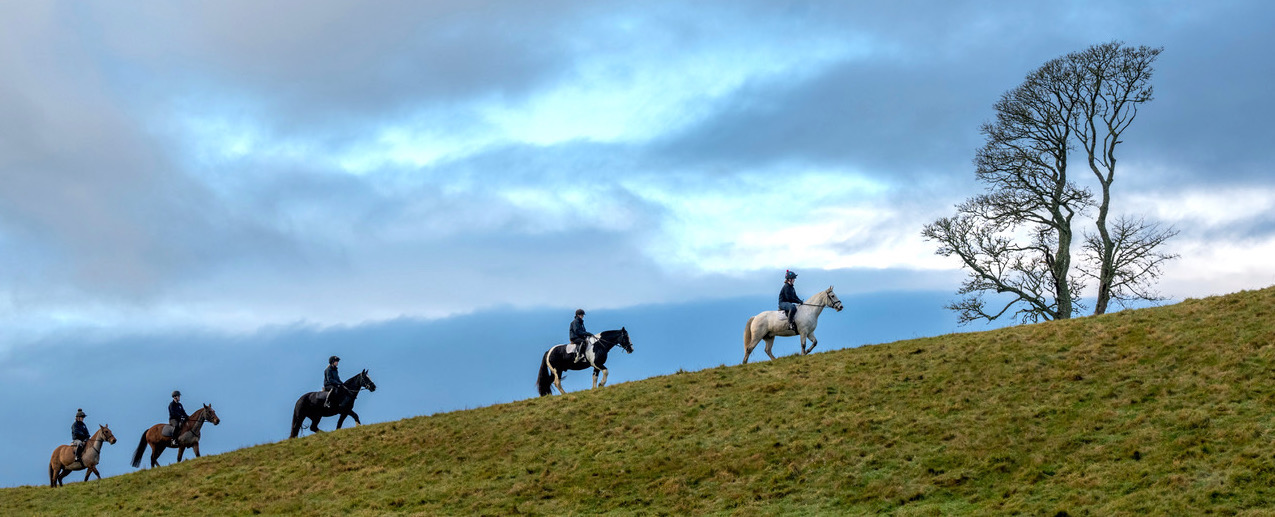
x: 790, y: 310
x: 79, y: 450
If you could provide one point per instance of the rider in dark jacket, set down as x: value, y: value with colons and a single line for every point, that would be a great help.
x: 79, y: 434
x: 578, y: 335
x: 789, y: 301
x: 176, y: 415
x: 331, y: 380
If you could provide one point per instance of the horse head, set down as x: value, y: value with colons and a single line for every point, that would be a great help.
x: 210, y: 415
x: 832, y: 300
x: 106, y: 433
x: 366, y: 382
x: 624, y: 342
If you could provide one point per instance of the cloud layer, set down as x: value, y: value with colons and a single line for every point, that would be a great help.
x: 239, y: 164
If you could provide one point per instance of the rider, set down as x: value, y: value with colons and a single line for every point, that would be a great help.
x: 578, y: 334
x: 788, y: 299
x: 331, y: 380
x: 176, y: 415
x: 79, y: 434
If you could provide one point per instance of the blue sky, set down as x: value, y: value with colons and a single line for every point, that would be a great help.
x: 228, y: 173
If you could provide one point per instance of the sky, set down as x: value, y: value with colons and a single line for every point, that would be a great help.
x: 241, y: 189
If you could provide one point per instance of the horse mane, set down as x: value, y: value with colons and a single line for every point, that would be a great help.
x: 611, y: 336
x: 819, y: 298
x: 353, y: 381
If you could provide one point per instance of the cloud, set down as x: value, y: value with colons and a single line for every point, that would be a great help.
x: 246, y: 164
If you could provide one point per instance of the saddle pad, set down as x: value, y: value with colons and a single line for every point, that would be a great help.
x: 167, y: 431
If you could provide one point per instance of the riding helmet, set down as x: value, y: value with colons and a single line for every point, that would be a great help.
x: 79, y: 413
x: 333, y: 359
x: 579, y: 312
x: 177, y: 393
x: 790, y: 275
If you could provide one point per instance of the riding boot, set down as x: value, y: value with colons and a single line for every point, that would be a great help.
x: 79, y: 451
x: 792, y: 321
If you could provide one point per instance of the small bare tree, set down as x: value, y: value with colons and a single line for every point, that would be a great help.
x: 1132, y: 252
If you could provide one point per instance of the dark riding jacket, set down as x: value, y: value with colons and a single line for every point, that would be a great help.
x: 789, y: 294
x: 578, y: 334
x: 330, y: 377
x: 176, y: 411
x: 79, y: 431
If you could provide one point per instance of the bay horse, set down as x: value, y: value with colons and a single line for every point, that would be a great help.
x: 187, y: 436
x: 62, y: 463
x: 771, y: 324
x: 310, y: 405
x: 561, y: 358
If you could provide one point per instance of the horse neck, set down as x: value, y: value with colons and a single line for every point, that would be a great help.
x: 93, y: 447
x: 196, y: 420
x: 818, y: 301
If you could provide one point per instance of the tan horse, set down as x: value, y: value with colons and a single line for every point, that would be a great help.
x: 62, y: 463
x: 188, y: 436
x: 771, y: 324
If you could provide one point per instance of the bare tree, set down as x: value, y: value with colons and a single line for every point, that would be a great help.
x: 1015, y: 239
x: 1115, y: 80
x: 1134, y: 250
x: 1029, y: 198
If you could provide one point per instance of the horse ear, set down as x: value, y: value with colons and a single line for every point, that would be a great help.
x: 365, y: 371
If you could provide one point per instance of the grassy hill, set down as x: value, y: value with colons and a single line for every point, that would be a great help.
x: 1161, y: 411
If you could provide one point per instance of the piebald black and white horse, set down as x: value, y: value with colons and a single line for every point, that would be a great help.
x: 561, y: 358
x: 311, y: 406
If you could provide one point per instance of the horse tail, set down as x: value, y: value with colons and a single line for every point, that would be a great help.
x: 141, y: 449
x: 748, y: 332
x: 298, y: 416
x: 544, y: 381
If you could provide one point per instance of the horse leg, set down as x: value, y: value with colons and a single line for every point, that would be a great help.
x: 156, y: 450
x: 63, y: 472
x: 605, y: 372
x: 557, y: 381
x: 88, y: 472
x: 750, y: 345
x: 770, y: 342
x: 813, y: 342
x: 180, y: 450
x: 355, y: 416
x: 195, y: 447
x: 314, y: 425
x: 341, y: 420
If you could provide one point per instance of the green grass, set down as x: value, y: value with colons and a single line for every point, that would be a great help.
x: 1156, y: 411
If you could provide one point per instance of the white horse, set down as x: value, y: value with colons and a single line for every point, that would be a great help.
x: 771, y: 324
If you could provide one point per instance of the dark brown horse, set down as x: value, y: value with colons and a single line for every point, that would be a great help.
x: 187, y: 436
x: 63, y: 461
x: 311, y: 404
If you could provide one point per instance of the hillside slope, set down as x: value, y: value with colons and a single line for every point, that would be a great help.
x: 1164, y: 410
